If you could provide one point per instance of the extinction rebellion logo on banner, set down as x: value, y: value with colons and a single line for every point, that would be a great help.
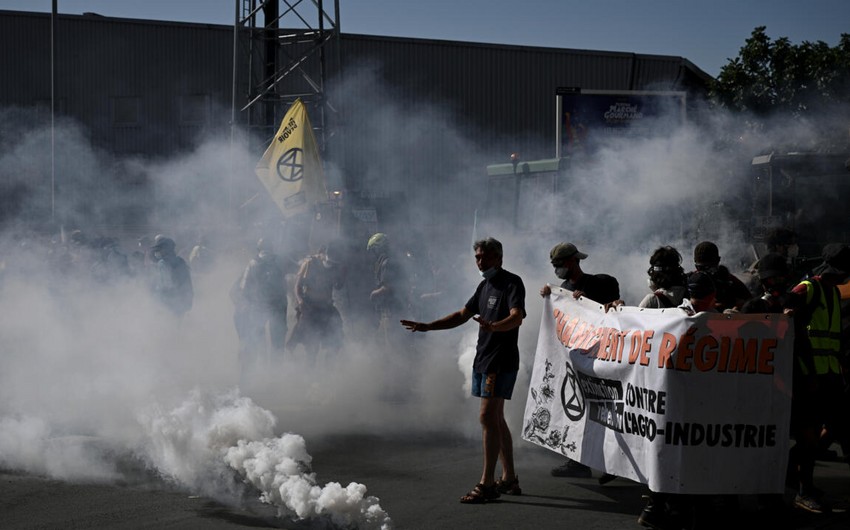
x: 604, y: 401
x: 572, y: 397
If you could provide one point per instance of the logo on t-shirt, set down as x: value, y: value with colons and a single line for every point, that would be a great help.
x: 491, y: 302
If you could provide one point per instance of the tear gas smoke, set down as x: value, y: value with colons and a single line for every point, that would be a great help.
x: 88, y: 395
x: 279, y: 468
x: 192, y: 442
x: 94, y: 374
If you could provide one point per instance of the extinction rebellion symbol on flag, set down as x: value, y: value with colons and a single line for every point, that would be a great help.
x: 290, y: 166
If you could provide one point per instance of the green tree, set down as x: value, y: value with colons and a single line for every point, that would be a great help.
x: 807, y: 83
x: 777, y: 77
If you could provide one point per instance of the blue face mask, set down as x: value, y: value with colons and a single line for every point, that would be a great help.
x: 489, y: 273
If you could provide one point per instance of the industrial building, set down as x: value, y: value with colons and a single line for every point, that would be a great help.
x: 411, y: 117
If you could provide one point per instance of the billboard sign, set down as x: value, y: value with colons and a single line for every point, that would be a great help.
x: 587, y: 119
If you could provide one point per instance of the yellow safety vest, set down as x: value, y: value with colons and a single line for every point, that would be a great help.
x: 824, y: 330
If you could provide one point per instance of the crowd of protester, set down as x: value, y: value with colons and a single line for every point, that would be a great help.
x: 286, y: 299
x: 813, y: 298
x: 286, y: 302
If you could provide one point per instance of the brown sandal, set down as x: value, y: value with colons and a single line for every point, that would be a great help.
x: 480, y: 494
x: 509, y: 487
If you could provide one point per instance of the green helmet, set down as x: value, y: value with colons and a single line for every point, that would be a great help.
x: 377, y: 242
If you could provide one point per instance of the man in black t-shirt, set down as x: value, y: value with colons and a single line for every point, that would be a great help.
x: 566, y: 259
x: 498, y: 306
x: 602, y: 289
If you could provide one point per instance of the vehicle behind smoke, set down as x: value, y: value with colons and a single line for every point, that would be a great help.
x: 804, y: 192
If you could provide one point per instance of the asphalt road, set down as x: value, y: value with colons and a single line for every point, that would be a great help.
x: 418, y: 481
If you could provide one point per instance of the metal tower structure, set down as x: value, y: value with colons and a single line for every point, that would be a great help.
x: 284, y: 50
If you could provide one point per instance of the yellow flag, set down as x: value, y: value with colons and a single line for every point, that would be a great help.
x: 291, y: 169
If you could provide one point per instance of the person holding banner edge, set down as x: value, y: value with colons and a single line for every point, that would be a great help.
x: 498, y: 306
x: 732, y: 293
x: 819, y: 398
x: 664, y: 510
x: 602, y: 289
x: 667, y: 279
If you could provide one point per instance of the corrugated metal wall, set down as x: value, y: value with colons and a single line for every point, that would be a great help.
x: 501, y: 99
x: 101, y: 60
x: 152, y: 88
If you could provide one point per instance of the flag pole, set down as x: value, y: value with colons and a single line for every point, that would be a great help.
x: 232, y: 177
x: 53, y: 11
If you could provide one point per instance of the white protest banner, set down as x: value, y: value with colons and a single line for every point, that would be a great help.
x: 686, y: 404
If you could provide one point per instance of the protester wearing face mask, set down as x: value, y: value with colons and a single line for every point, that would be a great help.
x: 667, y: 279
x: 318, y: 323
x: 732, y: 293
x: 498, y: 306
x: 602, y: 289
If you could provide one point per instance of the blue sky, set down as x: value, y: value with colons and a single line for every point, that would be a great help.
x: 706, y: 33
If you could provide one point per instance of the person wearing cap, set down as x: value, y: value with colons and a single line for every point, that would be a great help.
x: 602, y: 289
x: 815, y: 305
x: 318, y: 323
x: 566, y: 259
x: 731, y: 291
x: 498, y: 306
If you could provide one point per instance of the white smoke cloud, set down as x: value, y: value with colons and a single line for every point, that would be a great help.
x: 192, y: 442
x: 279, y: 468
x: 27, y: 443
x: 94, y: 385
x: 95, y: 379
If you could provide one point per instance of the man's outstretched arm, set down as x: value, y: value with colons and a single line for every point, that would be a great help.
x: 447, y: 322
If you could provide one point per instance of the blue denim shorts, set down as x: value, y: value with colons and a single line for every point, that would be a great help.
x: 493, y: 385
